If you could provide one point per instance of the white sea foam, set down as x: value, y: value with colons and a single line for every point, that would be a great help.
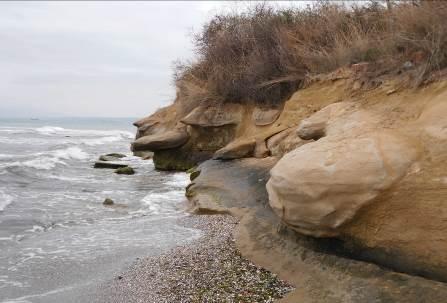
x: 6, y: 156
x: 15, y: 130
x: 70, y: 153
x: 178, y: 180
x: 51, y: 130
x: 102, y: 140
x: 5, y: 200
x: 49, y: 160
x: 164, y: 203
x: 24, y: 299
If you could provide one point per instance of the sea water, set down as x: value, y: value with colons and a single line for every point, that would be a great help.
x: 58, y: 242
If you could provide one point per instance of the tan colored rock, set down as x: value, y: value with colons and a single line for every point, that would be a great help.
x: 318, y: 187
x: 263, y: 117
x: 284, y: 142
x: 159, y: 122
x: 236, y: 150
x: 315, y: 127
x: 434, y: 120
x: 214, y: 116
x: 167, y: 140
x: 261, y: 150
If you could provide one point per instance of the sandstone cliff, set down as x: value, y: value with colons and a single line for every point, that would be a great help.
x: 343, y: 168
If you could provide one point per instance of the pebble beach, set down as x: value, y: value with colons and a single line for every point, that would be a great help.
x: 209, y: 269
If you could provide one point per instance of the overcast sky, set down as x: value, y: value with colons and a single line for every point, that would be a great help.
x: 111, y: 59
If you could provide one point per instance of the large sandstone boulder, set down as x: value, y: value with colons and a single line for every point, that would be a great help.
x: 314, y: 127
x: 319, y: 186
x: 236, y: 150
x: 167, y: 140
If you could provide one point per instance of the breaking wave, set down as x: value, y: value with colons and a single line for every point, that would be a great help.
x: 49, y: 160
x: 55, y: 130
x: 5, y: 200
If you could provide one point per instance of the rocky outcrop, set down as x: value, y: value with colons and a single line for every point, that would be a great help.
x: 359, y: 173
x: 166, y: 140
x: 284, y: 142
x: 382, y: 159
x: 313, y: 265
x: 236, y: 150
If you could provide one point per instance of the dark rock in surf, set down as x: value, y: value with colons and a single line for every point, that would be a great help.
x: 108, y: 202
x: 125, y: 171
x: 107, y: 164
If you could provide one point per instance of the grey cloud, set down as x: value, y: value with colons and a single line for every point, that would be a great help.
x: 94, y: 58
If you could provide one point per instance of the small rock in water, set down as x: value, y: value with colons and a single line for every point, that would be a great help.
x: 106, y: 164
x: 194, y: 175
x: 108, y: 201
x: 125, y: 171
x: 116, y: 155
x: 111, y: 157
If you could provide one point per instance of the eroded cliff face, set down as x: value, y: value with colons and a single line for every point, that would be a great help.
x: 365, y: 167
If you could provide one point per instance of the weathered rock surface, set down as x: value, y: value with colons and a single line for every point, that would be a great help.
x: 263, y: 117
x: 322, y: 185
x: 214, y: 115
x: 167, y: 140
x: 236, y: 150
x: 144, y: 154
x: 284, y: 142
x: 399, y: 225
x: 314, y: 127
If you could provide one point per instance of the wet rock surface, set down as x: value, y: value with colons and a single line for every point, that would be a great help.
x: 109, y: 164
x: 108, y: 202
x: 125, y: 171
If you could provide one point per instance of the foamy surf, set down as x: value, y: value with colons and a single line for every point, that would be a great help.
x: 53, y: 130
x: 53, y: 219
x: 5, y: 200
x: 49, y: 160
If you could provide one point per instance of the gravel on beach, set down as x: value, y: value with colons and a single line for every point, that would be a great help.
x: 209, y: 269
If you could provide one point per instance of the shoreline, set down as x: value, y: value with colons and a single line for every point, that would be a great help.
x: 208, y: 269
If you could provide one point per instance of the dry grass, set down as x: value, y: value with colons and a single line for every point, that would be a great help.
x: 263, y: 54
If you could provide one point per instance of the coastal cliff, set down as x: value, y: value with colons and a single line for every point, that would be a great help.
x: 339, y: 185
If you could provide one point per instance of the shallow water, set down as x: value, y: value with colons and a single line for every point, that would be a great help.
x: 57, y: 240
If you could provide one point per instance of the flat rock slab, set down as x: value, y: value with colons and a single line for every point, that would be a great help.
x: 166, y: 140
x: 108, y: 164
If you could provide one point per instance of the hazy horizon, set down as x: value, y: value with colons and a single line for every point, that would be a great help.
x: 95, y: 59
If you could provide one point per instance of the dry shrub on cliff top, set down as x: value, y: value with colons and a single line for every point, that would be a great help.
x: 262, y: 54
